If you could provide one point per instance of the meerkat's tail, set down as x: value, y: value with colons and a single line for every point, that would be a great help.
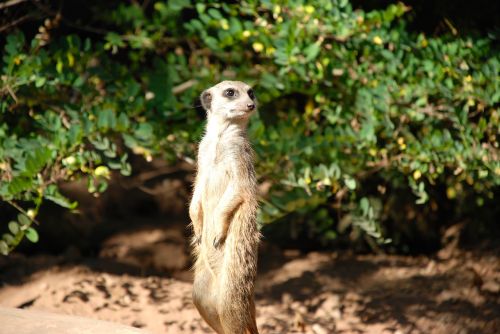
x: 252, y: 330
x: 252, y: 326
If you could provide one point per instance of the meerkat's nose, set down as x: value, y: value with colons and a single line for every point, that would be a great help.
x: 251, y: 106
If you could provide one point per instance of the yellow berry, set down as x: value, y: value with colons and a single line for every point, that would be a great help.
x: 451, y: 193
x: 258, y: 47
x: 31, y: 213
x: 102, y: 171
x: 69, y: 160
x: 377, y: 40
x: 309, y: 9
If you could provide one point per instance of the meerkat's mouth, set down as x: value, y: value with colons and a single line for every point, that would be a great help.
x: 246, y: 111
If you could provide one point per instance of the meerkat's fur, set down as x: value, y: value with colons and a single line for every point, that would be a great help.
x: 223, y: 213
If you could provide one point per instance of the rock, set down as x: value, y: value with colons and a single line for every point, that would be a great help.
x: 21, y: 321
x: 330, y: 308
x: 491, y: 287
x: 318, y: 329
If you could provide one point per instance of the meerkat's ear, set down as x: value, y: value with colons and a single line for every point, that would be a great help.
x: 206, y: 100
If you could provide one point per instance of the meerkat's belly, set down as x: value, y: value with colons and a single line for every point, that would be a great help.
x: 216, y: 182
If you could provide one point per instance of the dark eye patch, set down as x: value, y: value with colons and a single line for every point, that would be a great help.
x: 230, y: 92
x: 251, y: 94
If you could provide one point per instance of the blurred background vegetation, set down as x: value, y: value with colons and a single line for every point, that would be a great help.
x: 378, y: 124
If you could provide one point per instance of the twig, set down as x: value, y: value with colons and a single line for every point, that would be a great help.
x: 188, y: 160
x: 69, y: 23
x: 14, y: 23
x: 149, y: 191
x: 184, y: 86
x: 18, y: 208
x: 11, y: 92
x: 454, y: 30
x: 433, y: 112
x: 143, y: 177
x: 376, y: 166
x: 11, y: 3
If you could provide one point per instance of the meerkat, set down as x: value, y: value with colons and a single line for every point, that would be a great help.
x: 223, y: 212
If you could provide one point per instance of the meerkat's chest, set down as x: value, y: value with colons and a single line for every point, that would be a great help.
x: 218, y: 154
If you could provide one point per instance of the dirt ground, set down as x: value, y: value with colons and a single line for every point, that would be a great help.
x: 142, y: 278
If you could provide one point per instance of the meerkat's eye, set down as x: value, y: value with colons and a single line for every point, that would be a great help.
x: 251, y: 94
x: 229, y: 92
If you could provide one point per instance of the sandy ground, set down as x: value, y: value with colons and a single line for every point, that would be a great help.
x: 141, y: 278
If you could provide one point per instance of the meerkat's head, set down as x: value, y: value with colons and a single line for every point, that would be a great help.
x: 230, y: 100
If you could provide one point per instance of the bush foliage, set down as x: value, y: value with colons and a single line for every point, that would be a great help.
x: 362, y: 124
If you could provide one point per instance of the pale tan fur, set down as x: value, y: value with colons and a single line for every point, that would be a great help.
x: 223, y: 213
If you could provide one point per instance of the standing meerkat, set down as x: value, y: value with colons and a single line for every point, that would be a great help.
x: 223, y: 212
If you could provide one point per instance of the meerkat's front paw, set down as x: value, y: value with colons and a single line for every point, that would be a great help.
x: 219, y: 241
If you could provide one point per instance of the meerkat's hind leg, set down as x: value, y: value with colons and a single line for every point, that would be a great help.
x: 237, y: 318
x: 232, y: 324
x: 205, y: 302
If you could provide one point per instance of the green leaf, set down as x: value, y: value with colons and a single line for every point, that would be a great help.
x: 126, y: 169
x: 312, y: 51
x: 14, y: 227
x: 19, y: 184
x: 32, y: 235
x: 61, y: 200
x: 178, y: 5
x: 122, y: 122
x: 40, y: 81
x: 9, y: 238
x: 4, y: 248
x: 364, y: 205
x: 106, y: 119
x: 36, y: 160
x: 110, y: 153
x: 114, y: 39
x: 100, y: 143
x: 114, y: 165
x: 350, y: 183
x: 23, y: 219
x: 144, y: 131
x: 215, y: 14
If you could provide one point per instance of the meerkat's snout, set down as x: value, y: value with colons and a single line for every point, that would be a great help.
x: 251, y: 105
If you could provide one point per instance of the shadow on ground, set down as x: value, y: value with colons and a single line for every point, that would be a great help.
x: 141, y: 277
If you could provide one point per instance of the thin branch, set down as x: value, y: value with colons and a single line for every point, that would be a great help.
x: 15, y: 22
x: 146, y: 176
x: 11, y: 3
x: 433, y: 112
x: 11, y: 92
x: 20, y: 209
x: 69, y: 23
x: 149, y: 191
x: 184, y: 86
x: 376, y: 166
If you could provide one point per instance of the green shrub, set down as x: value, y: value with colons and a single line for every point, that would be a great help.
x: 355, y: 112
